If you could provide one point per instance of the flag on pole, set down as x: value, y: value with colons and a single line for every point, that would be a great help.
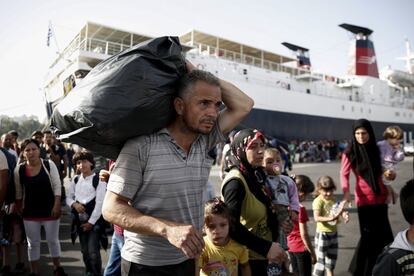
x: 49, y: 34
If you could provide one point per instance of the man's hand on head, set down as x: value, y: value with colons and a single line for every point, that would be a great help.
x: 190, y: 67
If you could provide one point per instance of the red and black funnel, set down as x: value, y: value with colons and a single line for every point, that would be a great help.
x: 365, y: 63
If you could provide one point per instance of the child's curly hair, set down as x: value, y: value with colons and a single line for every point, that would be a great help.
x: 393, y: 132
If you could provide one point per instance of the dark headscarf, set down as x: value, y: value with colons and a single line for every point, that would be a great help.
x: 365, y: 159
x: 254, y: 176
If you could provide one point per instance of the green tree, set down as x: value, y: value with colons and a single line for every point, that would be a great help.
x: 24, y: 128
x: 27, y: 127
x: 7, y: 124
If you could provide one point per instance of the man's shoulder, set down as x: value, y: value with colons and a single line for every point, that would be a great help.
x: 147, y: 137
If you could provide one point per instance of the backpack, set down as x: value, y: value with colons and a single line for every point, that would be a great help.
x: 11, y: 188
x: 95, y: 180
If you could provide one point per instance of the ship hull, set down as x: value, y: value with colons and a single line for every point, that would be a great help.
x: 289, y: 126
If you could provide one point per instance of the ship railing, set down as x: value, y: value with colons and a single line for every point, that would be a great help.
x: 104, y: 46
x: 208, y: 50
x: 92, y: 45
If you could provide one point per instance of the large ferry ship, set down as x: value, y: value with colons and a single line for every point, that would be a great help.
x: 291, y: 100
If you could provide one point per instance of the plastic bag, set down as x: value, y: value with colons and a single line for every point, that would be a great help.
x: 126, y: 95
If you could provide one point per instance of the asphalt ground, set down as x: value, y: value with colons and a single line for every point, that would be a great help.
x: 71, y: 258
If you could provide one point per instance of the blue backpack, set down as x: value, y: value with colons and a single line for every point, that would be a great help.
x: 11, y: 188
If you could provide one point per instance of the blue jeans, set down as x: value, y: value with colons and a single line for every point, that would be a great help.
x: 90, y: 248
x: 113, y: 268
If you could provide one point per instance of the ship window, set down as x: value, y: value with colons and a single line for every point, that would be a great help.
x: 68, y: 84
x: 352, y: 108
x: 343, y: 107
x: 308, y: 91
x: 369, y: 111
x: 362, y: 110
x: 80, y: 74
x: 397, y: 114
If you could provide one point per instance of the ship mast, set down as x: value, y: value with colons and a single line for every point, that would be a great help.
x: 409, y: 58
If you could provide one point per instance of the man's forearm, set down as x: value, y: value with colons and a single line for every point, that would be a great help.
x: 238, y: 105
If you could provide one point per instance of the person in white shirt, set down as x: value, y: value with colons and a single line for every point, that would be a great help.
x: 85, y: 197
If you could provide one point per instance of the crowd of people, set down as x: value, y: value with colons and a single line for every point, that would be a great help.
x: 154, y: 195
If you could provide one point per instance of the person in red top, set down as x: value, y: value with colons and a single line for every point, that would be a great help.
x: 301, y: 251
x: 363, y: 159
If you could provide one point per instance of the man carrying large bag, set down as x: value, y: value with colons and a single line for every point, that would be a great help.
x: 155, y: 190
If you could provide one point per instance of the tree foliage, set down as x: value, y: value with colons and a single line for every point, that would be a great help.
x: 25, y: 127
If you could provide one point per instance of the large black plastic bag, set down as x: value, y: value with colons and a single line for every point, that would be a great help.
x: 127, y: 95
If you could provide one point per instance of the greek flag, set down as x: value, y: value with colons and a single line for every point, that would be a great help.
x: 49, y: 34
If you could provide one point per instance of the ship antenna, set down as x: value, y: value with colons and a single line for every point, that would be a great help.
x: 410, y: 56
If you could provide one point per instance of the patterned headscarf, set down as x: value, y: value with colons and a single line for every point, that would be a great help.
x: 241, y: 143
x: 365, y: 159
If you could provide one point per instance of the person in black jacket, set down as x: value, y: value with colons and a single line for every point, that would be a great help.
x: 398, y: 257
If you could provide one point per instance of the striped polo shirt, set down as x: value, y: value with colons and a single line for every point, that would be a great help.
x: 162, y: 181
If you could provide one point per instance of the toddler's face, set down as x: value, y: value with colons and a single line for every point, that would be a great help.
x: 395, y: 143
x: 272, y: 163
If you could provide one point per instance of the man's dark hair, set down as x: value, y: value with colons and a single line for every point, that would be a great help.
x: 37, y: 132
x: 407, y: 201
x: 14, y: 133
x: 188, y: 80
x: 47, y: 131
x: 84, y: 155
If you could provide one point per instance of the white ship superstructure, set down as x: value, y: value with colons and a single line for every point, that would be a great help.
x: 290, y: 101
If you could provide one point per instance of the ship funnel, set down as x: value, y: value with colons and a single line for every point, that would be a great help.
x: 363, y: 61
x: 302, y: 54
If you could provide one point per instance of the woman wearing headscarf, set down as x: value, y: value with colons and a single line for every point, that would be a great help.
x: 243, y: 191
x: 363, y: 159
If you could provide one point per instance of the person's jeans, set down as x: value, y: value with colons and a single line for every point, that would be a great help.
x: 114, y: 262
x: 90, y: 251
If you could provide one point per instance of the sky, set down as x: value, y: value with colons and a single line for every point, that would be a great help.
x: 265, y: 24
